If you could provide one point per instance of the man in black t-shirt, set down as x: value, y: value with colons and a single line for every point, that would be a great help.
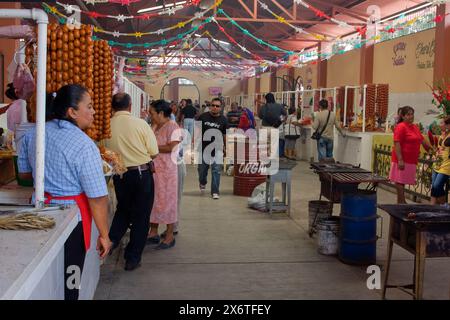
x: 214, y: 126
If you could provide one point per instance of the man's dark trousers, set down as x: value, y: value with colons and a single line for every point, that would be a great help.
x: 135, y: 194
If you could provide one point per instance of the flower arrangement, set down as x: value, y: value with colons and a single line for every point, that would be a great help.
x: 441, y: 98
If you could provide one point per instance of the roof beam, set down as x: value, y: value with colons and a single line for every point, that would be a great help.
x: 262, y: 20
x: 250, y: 12
x: 349, y: 12
x: 291, y: 16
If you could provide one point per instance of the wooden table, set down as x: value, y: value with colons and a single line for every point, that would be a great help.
x: 426, y: 236
x: 7, y: 173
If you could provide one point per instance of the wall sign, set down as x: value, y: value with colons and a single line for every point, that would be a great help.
x: 399, y: 57
x: 425, y: 54
x: 215, y: 91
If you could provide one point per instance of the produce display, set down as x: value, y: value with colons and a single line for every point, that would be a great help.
x: 112, y: 162
x: 376, y: 107
x: 382, y: 101
x: 74, y: 58
x: 103, y: 75
x: 370, y: 107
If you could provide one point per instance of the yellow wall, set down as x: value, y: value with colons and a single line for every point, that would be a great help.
x: 188, y: 92
x: 229, y: 87
x: 417, y: 70
x: 265, y: 82
x: 282, y: 72
x: 308, y: 74
x: 251, y: 85
x: 344, y: 69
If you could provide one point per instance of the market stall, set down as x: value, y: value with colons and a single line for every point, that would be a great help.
x: 422, y: 230
x: 34, y: 267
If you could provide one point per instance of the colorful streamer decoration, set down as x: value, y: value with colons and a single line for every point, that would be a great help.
x: 170, y: 11
x: 248, y: 34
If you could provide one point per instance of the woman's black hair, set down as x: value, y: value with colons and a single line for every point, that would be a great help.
x: 403, y: 112
x: 68, y: 96
x: 323, y: 104
x: 11, y: 92
x: 162, y: 106
x: 270, y: 98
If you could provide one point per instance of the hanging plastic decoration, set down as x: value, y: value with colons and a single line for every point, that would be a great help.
x: 170, y: 11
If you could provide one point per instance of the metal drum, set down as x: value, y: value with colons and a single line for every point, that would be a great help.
x: 249, y: 171
x: 358, y: 234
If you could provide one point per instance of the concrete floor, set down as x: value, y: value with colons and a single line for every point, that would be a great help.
x: 226, y: 251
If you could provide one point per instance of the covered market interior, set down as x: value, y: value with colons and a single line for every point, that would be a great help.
x: 318, y: 226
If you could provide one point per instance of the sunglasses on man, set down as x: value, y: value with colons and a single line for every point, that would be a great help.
x: 216, y: 105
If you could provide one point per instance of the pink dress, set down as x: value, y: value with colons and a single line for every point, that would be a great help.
x: 166, y: 177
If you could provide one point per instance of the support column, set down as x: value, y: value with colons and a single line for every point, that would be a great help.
x: 258, y: 83
x: 273, y: 81
x: 321, y: 70
x: 291, y: 74
x: 442, y: 45
x: 174, y: 89
x: 366, y: 65
x: 245, y: 86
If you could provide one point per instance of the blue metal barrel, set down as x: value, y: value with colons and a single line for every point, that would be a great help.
x: 358, y: 238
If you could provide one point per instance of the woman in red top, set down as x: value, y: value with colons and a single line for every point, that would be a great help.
x: 405, y: 155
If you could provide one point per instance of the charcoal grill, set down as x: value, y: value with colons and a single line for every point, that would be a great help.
x: 425, y: 234
x: 337, y: 178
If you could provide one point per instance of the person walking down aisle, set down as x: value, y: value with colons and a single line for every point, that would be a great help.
x: 73, y: 174
x: 214, y: 127
x: 406, y: 151
x: 291, y: 133
x: 324, y: 121
x: 135, y: 141
x: 168, y: 136
x: 188, y: 114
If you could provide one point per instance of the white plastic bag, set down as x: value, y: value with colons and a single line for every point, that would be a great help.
x: 119, y: 83
x: 24, y: 82
x: 17, y: 32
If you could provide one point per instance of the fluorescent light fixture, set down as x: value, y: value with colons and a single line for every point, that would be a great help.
x: 161, y: 7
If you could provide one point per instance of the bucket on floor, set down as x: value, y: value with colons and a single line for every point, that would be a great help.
x: 318, y: 210
x: 328, y: 235
x: 358, y: 236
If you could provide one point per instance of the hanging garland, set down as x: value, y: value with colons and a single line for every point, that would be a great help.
x: 322, y: 14
x: 69, y: 9
x: 63, y: 19
x: 248, y: 34
x: 283, y: 20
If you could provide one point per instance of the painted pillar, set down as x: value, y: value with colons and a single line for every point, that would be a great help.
x: 257, y: 83
x: 442, y: 45
x: 366, y: 64
x: 321, y: 70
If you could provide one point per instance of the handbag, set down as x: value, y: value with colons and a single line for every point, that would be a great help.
x: 289, y: 135
x: 316, y: 134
